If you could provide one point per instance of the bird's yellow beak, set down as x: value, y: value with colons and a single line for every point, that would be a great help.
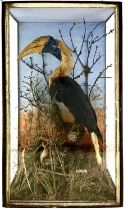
x: 36, y: 46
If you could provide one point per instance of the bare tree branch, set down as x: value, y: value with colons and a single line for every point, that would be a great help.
x: 74, y: 50
x: 79, y: 75
x: 94, y: 62
x: 31, y: 94
x: 38, y: 69
x: 44, y: 74
x: 90, y: 43
x: 95, y: 53
x: 31, y: 67
x: 99, y: 76
x: 91, y: 32
x: 104, y: 35
x: 70, y: 34
x: 80, y: 52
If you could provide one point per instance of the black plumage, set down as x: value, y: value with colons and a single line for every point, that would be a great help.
x: 67, y: 91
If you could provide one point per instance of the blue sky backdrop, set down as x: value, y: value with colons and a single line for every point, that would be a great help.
x: 30, y: 31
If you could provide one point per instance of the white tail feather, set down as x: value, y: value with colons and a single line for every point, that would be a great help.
x: 96, y: 148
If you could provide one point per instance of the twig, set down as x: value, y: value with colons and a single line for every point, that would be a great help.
x: 32, y: 91
x: 61, y: 163
x: 74, y: 51
x: 78, y: 76
x: 99, y: 76
x: 25, y: 170
x: 39, y: 70
x: 26, y: 97
x: 80, y: 52
x: 74, y: 48
x: 106, y: 77
x: 31, y: 67
x: 94, y: 62
x: 95, y: 53
x: 31, y: 61
x: 43, y: 74
x: 30, y: 102
x: 57, y: 173
x: 70, y: 34
x: 52, y: 160
x: 91, y: 32
x: 89, y: 50
x: 104, y: 35
x: 91, y: 42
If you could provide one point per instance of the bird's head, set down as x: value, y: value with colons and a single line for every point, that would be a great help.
x: 43, y: 44
x: 47, y: 44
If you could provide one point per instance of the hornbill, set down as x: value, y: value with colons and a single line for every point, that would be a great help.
x: 74, y: 105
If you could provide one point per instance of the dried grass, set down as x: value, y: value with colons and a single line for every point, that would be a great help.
x: 67, y: 173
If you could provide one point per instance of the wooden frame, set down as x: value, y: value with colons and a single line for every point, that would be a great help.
x: 6, y: 105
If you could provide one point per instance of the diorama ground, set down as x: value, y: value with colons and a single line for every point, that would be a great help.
x: 69, y: 170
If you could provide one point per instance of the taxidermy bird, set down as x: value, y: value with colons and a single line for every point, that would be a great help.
x: 41, y: 152
x: 74, y: 105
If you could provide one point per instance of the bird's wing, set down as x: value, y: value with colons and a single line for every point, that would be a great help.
x: 67, y: 91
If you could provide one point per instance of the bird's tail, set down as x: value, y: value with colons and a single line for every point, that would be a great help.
x: 98, y: 133
x: 100, y: 138
x: 96, y: 148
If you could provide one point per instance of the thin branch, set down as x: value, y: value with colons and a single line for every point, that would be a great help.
x: 106, y: 77
x: 33, y: 90
x: 31, y: 61
x: 43, y: 74
x: 104, y: 35
x: 31, y: 67
x: 91, y: 42
x: 99, y: 76
x: 89, y: 51
x: 70, y: 34
x: 94, y: 62
x: 25, y: 170
x: 24, y: 107
x: 83, y: 36
x: 78, y: 76
x: 57, y: 173
x: 29, y: 100
x: 91, y: 32
x: 95, y: 53
x: 74, y: 50
x: 38, y: 69
x: 60, y: 160
x: 80, y: 52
